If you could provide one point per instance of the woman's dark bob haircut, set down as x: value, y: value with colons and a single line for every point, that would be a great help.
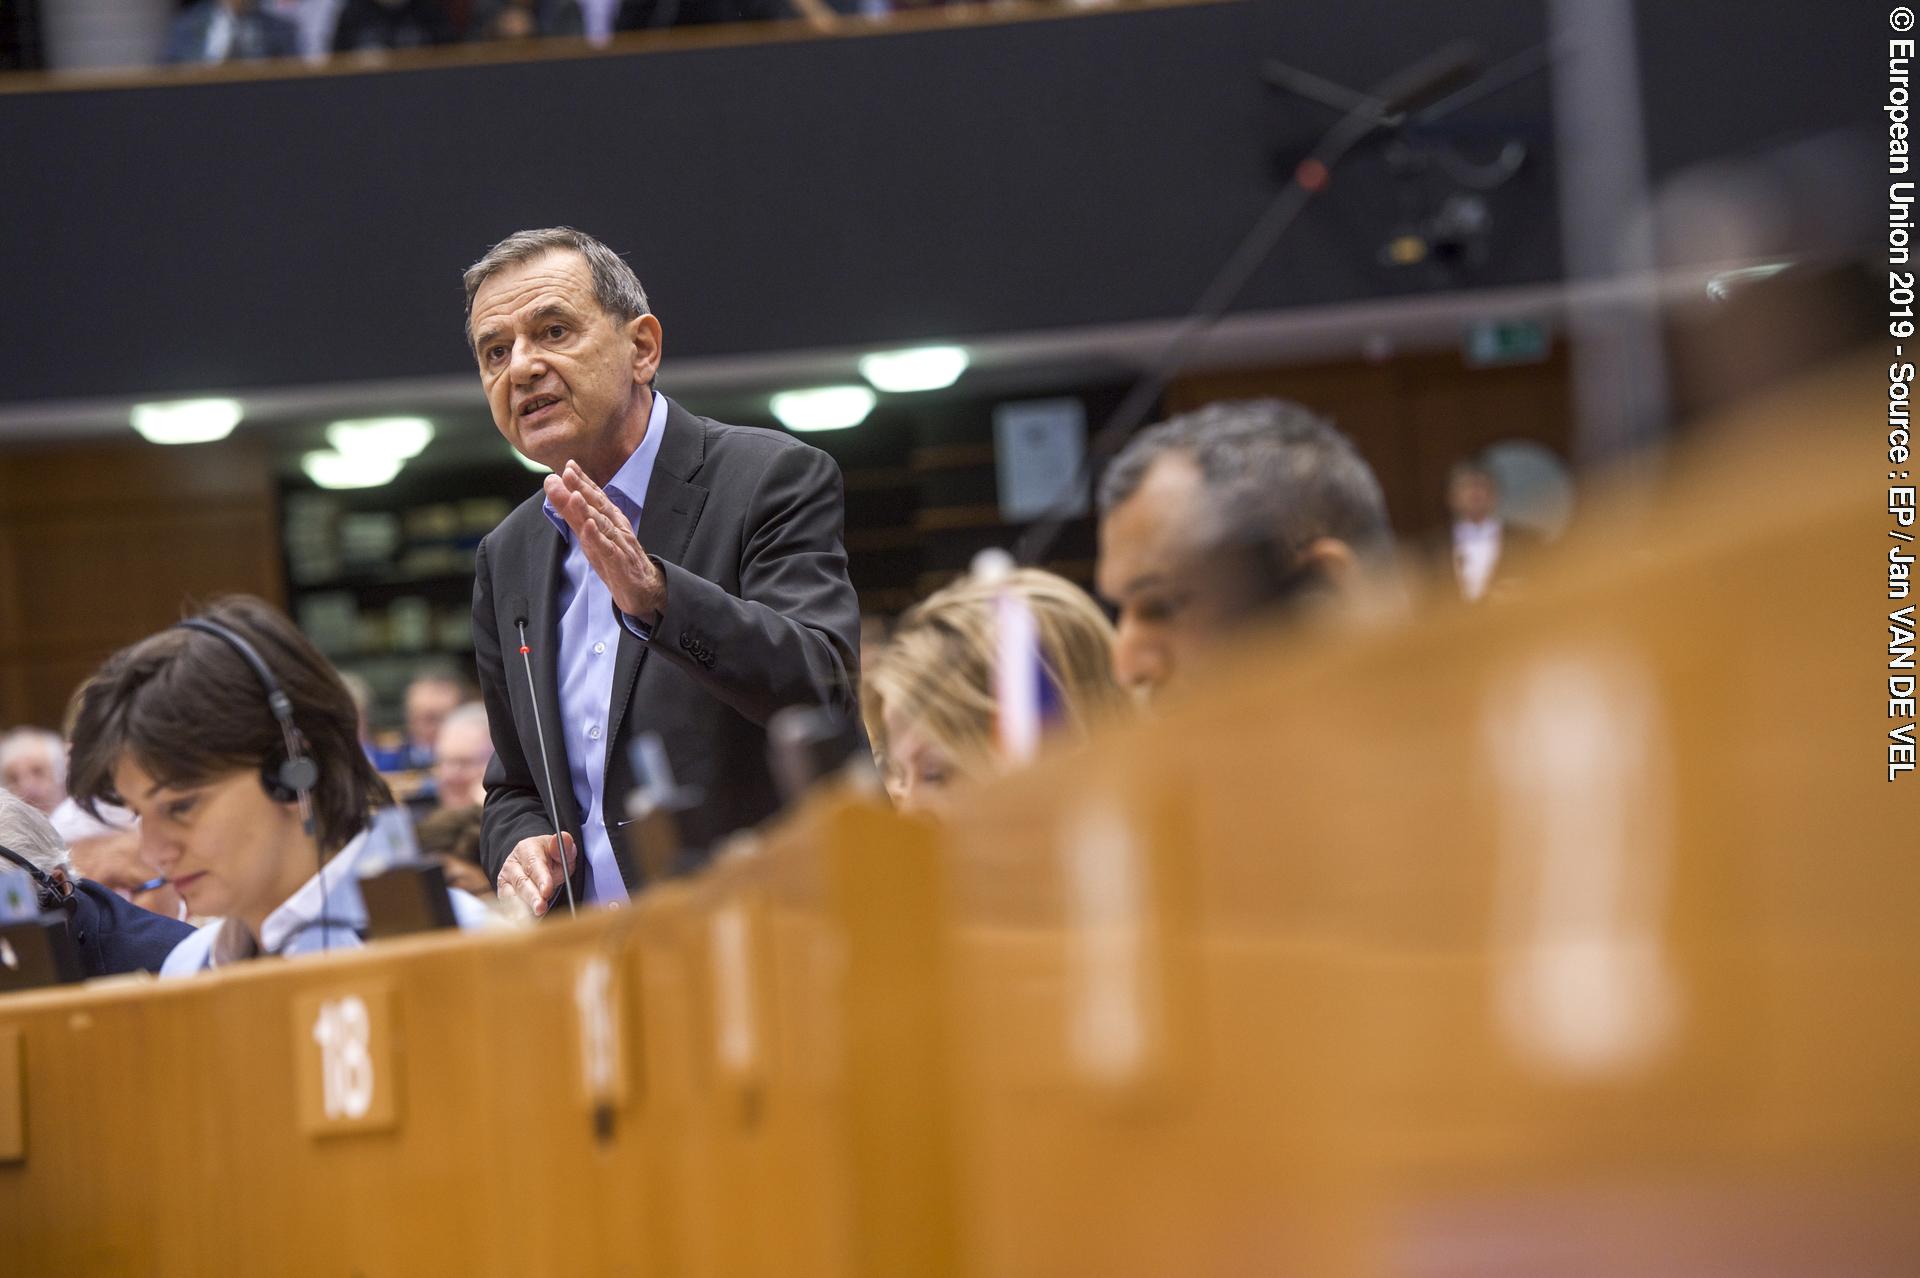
x: 188, y: 709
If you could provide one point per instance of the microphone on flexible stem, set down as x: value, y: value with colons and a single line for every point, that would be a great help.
x: 1384, y: 106
x: 540, y: 734
x: 1446, y: 69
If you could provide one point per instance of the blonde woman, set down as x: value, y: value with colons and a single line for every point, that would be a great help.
x: 929, y: 698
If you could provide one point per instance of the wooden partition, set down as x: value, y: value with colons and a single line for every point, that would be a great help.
x: 103, y: 544
x: 1569, y: 937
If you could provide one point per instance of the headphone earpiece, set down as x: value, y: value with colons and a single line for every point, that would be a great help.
x: 283, y: 779
x: 291, y: 778
x: 51, y: 898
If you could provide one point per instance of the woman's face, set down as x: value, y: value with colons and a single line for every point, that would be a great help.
x: 919, y: 771
x: 227, y: 847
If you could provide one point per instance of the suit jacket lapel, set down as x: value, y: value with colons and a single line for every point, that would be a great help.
x: 672, y: 508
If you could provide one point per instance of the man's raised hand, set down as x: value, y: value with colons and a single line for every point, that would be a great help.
x: 613, y: 551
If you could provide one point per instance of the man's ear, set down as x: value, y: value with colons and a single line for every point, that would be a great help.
x: 644, y: 332
x: 1334, y: 562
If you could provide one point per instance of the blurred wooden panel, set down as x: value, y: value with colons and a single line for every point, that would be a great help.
x: 102, y: 544
x: 1569, y: 935
x: 1411, y: 416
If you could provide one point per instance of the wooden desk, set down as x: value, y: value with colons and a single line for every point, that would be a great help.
x: 1571, y: 937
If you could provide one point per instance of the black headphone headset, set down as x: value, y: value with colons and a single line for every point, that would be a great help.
x: 292, y: 777
x: 51, y: 897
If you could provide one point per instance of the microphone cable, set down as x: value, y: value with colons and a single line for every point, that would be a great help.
x: 546, y: 764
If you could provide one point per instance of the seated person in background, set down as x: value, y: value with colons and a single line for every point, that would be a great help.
x: 644, y: 15
x: 33, y: 764
x: 460, y: 756
x: 106, y: 849
x: 929, y: 701
x: 390, y: 24
x: 431, y: 696
x: 314, y: 20
x: 451, y: 836
x: 238, y: 806
x: 524, y: 19
x: 111, y: 934
x: 1482, y: 546
x: 1229, y: 513
x: 229, y: 31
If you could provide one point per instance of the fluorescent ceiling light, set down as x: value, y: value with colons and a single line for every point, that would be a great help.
x: 187, y: 421
x: 349, y: 470
x: 923, y: 368
x: 530, y: 463
x: 1724, y: 285
x: 823, y: 407
x: 398, y: 437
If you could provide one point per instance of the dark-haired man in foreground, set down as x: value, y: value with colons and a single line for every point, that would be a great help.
x: 1228, y: 513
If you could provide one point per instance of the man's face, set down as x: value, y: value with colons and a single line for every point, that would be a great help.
x: 460, y: 763
x: 1146, y: 572
x: 429, y: 702
x: 32, y: 773
x: 1472, y: 497
x: 565, y: 380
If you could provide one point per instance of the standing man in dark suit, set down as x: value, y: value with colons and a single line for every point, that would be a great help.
x: 675, y: 576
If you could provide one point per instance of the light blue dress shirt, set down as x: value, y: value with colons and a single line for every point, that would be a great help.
x: 309, y: 921
x: 589, y: 641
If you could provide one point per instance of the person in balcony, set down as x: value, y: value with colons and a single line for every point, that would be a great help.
x: 214, y: 31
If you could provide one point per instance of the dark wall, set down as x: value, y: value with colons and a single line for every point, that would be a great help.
x: 777, y: 196
x: 805, y: 193
x: 1719, y: 82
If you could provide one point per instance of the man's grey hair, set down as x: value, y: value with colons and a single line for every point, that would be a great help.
x: 1273, y: 469
x: 615, y: 285
x: 22, y: 739
x: 26, y: 830
x: 440, y: 672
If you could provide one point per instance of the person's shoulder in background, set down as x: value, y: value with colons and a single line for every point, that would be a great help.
x: 115, y: 935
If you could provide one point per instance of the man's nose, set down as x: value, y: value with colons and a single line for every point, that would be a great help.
x: 526, y: 365
x: 1139, y: 663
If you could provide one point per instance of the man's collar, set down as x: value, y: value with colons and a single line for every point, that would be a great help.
x: 628, y: 487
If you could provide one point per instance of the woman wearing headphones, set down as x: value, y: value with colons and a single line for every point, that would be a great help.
x: 237, y: 745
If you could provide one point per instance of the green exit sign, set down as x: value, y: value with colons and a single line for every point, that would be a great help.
x: 1491, y: 343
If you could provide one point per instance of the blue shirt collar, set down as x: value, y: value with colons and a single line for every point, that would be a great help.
x: 628, y: 487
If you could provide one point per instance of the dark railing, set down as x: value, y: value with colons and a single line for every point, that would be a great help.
x: 90, y: 35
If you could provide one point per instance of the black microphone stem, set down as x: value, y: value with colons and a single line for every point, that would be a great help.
x: 546, y: 766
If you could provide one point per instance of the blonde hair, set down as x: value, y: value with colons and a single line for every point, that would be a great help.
x: 937, y: 669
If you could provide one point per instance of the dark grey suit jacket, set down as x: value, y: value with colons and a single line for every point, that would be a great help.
x: 760, y: 615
